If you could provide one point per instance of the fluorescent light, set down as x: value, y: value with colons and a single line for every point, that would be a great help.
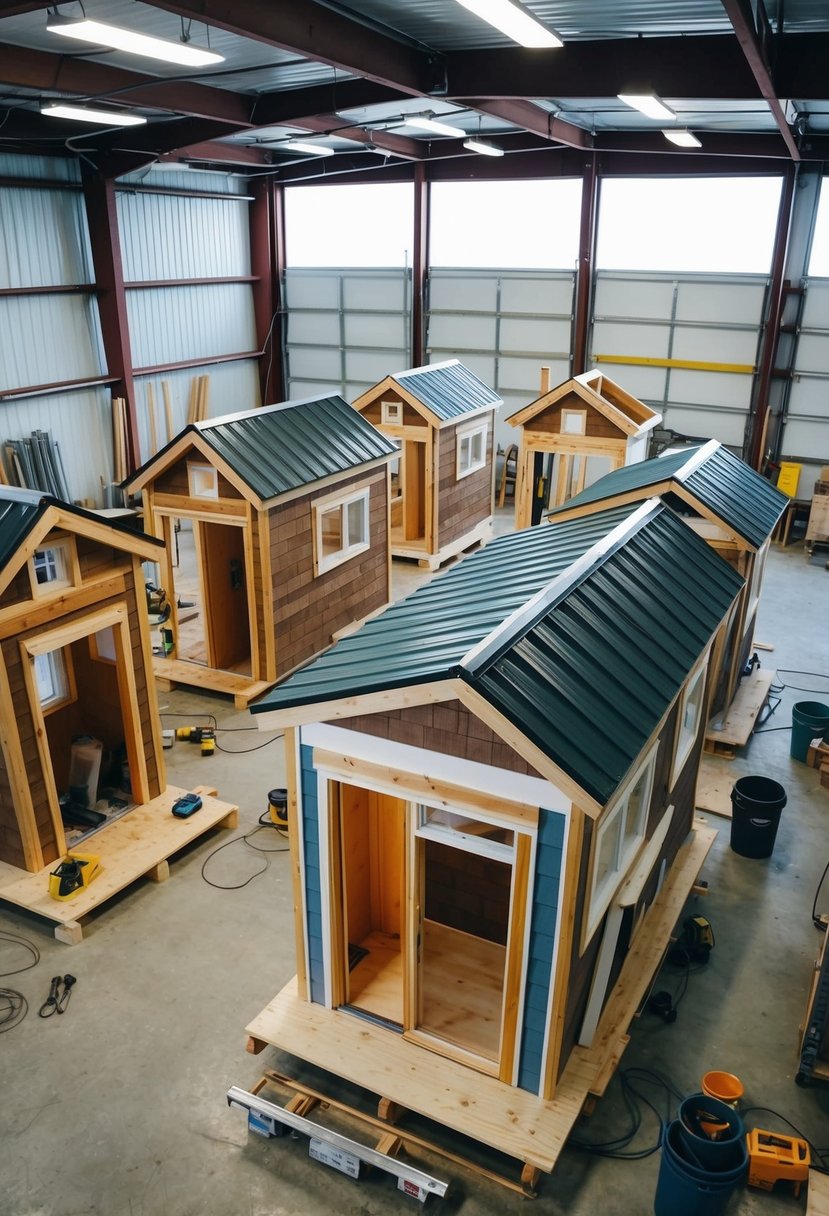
x: 482, y: 147
x: 438, y: 128
x: 107, y: 118
x: 101, y: 34
x: 647, y: 104
x: 297, y: 145
x: 683, y: 139
x: 513, y: 21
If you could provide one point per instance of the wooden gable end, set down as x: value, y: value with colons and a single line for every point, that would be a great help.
x: 177, y: 479
x: 373, y: 410
x: 84, y: 559
x: 552, y: 419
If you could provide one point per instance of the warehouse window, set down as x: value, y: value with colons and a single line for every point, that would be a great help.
x: 721, y: 225
x: 819, y: 257
x: 617, y: 838
x: 471, y: 450
x: 369, y: 225
x: 340, y: 529
x: 533, y: 224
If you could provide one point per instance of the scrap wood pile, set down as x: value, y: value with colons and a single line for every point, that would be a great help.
x: 36, y: 464
x: 196, y: 409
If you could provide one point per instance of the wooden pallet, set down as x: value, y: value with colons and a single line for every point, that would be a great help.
x: 817, y: 1194
x: 529, y: 1129
x: 175, y: 673
x: 137, y: 845
x: 739, y: 723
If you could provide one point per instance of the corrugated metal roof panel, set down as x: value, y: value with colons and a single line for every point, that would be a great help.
x: 722, y: 482
x: 590, y: 681
x: 18, y: 515
x: 589, y: 675
x: 426, y: 635
x: 749, y: 503
x: 282, y: 447
x: 449, y: 390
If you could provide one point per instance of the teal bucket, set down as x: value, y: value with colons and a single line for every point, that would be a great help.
x: 686, y: 1189
x: 809, y: 719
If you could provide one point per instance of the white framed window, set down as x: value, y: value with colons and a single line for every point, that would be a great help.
x: 203, y: 481
x: 471, y: 450
x: 689, y: 713
x: 52, y: 567
x: 341, y: 529
x: 617, y: 838
x: 465, y: 831
x: 102, y: 645
x: 391, y: 413
x: 54, y: 679
x: 756, y: 583
x: 573, y: 422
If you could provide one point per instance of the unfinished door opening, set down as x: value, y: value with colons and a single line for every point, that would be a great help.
x: 372, y: 845
x: 81, y: 690
x: 408, y: 494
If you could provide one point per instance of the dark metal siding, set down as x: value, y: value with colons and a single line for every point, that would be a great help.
x: 313, y: 883
x: 17, y: 518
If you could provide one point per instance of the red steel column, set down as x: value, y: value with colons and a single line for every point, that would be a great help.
x: 267, y: 262
x: 99, y: 195
x: 584, y: 272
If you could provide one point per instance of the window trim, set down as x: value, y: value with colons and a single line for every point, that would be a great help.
x: 387, y: 408
x: 70, y: 570
x: 570, y: 413
x: 467, y: 435
x: 599, y: 900
x: 695, y: 680
x: 325, y: 562
x: 197, y: 469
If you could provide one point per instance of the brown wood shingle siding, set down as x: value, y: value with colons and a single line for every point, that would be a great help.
x: 374, y: 413
x: 309, y: 609
x: 464, y: 502
x: 448, y: 728
x: 598, y: 426
x: 175, y: 480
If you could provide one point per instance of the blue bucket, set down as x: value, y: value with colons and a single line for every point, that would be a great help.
x: 710, y: 1133
x: 684, y: 1189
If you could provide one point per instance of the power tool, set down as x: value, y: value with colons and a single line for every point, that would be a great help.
x: 205, y: 735
x: 158, y: 606
x: 73, y: 874
x: 695, y: 942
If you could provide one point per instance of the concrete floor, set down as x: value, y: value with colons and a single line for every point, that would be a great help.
x: 118, y: 1107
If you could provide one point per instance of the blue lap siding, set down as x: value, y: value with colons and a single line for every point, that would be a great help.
x: 313, y: 887
x: 548, y: 867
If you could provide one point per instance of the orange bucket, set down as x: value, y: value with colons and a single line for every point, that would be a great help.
x: 723, y: 1085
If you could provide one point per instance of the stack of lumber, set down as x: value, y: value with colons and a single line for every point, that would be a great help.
x: 35, y: 463
x: 197, y: 405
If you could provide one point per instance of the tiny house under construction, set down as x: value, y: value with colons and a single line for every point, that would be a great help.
x: 442, y: 417
x: 731, y: 507
x: 573, y: 434
x: 288, y: 507
x: 74, y: 661
x: 491, y: 813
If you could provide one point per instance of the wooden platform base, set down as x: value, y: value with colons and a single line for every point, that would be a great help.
x: 714, y: 785
x: 520, y: 1124
x: 735, y: 731
x: 170, y: 673
x: 478, y: 535
x: 138, y: 845
x: 817, y: 1194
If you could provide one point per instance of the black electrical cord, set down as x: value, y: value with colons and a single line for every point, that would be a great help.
x: 634, y: 1099
x: 13, y: 1004
x: 816, y: 921
x: 16, y: 940
x: 261, y: 824
x: 243, y: 751
x: 225, y: 729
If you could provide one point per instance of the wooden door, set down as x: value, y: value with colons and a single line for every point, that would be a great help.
x: 225, y: 596
x: 414, y: 490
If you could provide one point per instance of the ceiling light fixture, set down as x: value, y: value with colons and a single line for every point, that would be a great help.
x: 107, y: 118
x: 682, y: 139
x: 513, y: 21
x: 297, y: 145
x: 436, y: 127
x: 101, y: 34
x: 647, y: 104
x: 483, y: 147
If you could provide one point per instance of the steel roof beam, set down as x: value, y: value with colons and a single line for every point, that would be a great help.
x: 533, y: 119
x: 288, y: 106
x: 41, y: 70
x: 332, y: 124
x: 754, y: 42
x: 323, y: 34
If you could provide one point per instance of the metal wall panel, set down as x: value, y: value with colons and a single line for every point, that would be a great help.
x: 232, y: 387
x: 167, y: 236
x: 806, y: 428
x: 59, y: 255
x: 42, y: 168
x: 47, y: 338
x: 310, y: 289
x: 171, y: 324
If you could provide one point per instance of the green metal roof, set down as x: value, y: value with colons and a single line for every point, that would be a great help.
x: 722, y: 482
x: 20, y: 510
x: 580, y: 638
x: 449, y: 389
x: 279, y: 448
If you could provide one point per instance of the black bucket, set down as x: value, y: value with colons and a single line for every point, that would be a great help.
x: 756, y: 803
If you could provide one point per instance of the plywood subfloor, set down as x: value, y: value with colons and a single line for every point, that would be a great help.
x: 735, y: 730
x: 135, y: 845
x: 376, y: 983
x: 463, y: 983
x: 511, y: 1120
x: 714, y: 785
